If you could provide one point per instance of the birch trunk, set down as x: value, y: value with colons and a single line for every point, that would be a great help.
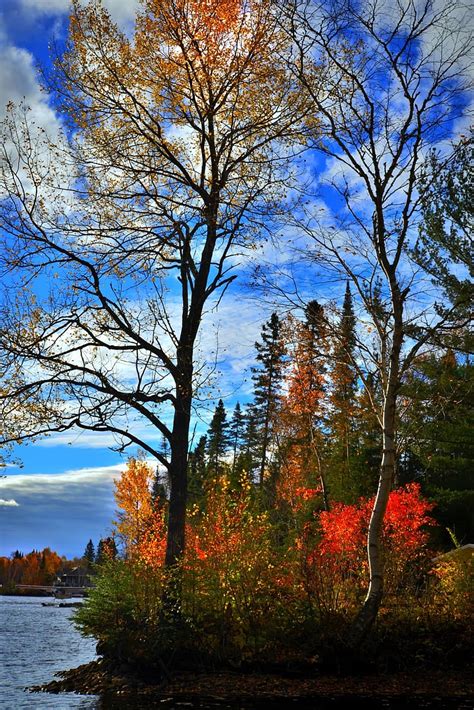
x: 368, y: 613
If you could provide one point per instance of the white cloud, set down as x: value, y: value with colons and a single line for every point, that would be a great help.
x: 8, y: 503
x: 18, y: 82
x: 122, y: 11
x: 50, y: 483
x: 61, y: 511
x: 45, y: 7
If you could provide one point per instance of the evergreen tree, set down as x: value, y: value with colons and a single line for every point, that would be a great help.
x: 159, y: 490
x: 197, y: 471
x: 217, y: 438
x: 438, y: 431
x: 106, y: 550
x: 343, y: 406
x: 445, y: 234
x: 249, y: 456
x: 89, y: 554
x: 365, y: 468
x: 267, y: 379
x: 236, y: 434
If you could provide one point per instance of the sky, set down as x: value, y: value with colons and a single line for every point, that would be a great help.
x: 62, y: 493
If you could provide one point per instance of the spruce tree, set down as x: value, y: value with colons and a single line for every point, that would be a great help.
x: 267, y: 379
x: 236, y: 434
x: 343, y: 405
x: 217, y: 437
x: 106, y: 550
x: 89, y: 554
x: 197, y: 471
x: 158, y: 490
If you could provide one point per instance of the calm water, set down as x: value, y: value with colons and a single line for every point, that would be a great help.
x: 37, y: 641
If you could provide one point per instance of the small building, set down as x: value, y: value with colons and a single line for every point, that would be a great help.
x: 73, y: 583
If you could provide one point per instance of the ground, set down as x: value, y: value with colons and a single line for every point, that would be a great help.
x: 427, y: 689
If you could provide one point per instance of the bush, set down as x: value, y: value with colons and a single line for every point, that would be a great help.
x: 122, y: 611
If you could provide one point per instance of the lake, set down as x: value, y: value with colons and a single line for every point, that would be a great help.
x: 36, y: 641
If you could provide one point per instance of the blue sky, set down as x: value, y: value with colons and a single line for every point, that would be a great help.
x: 63, y: 493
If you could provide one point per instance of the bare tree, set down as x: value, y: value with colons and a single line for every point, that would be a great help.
x: 117, y: 233
x: 386, y: 82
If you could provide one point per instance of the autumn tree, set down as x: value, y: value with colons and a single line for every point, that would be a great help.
x: 394, y: 82
x: 301, y: 415
x: 160, y: 175
x: 140, y: 523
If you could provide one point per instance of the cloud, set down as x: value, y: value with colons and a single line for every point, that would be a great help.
x: 60, y: 482
x: 45, y: 7
x: 61, y: 511
x: 122, y: 11
x: 19, y: 83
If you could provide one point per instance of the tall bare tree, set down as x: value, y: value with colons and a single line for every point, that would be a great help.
x: 386, y: 81
x: 119, y: 231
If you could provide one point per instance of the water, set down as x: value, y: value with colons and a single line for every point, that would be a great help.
x: 37, y: 641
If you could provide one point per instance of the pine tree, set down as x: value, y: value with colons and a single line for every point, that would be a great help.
x: 217, y: 437
x: 267, y: 381
x: 444, y: 247
x: 89, y: 554
x: 249, y: 456
x: 236, y: 434
x: 158, y: 490
x: 106, y: 550
x: 197, y: 471
x: 366, y: 465
x: 343, y: 405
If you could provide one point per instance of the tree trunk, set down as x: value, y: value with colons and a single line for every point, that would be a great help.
x: 368, y: 613
x: 178, y: 482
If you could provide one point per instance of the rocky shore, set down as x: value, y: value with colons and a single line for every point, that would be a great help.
x: 424, y: 689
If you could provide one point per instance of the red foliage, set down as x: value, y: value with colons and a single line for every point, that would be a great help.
x: 344, y: 530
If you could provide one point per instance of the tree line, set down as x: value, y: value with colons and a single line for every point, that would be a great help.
x: 311, y: 423
x: 42, y: 568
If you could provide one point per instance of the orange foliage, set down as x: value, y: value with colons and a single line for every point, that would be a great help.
x: 38, y: 568
x: 301, y: 409
x: 140, y: 526
x: 229, y: 550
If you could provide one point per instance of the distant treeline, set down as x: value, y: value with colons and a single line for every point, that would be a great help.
x: 42, y: 568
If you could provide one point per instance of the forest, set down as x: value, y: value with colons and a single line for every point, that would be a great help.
x: 316, y: 158
x: 44, y: 567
